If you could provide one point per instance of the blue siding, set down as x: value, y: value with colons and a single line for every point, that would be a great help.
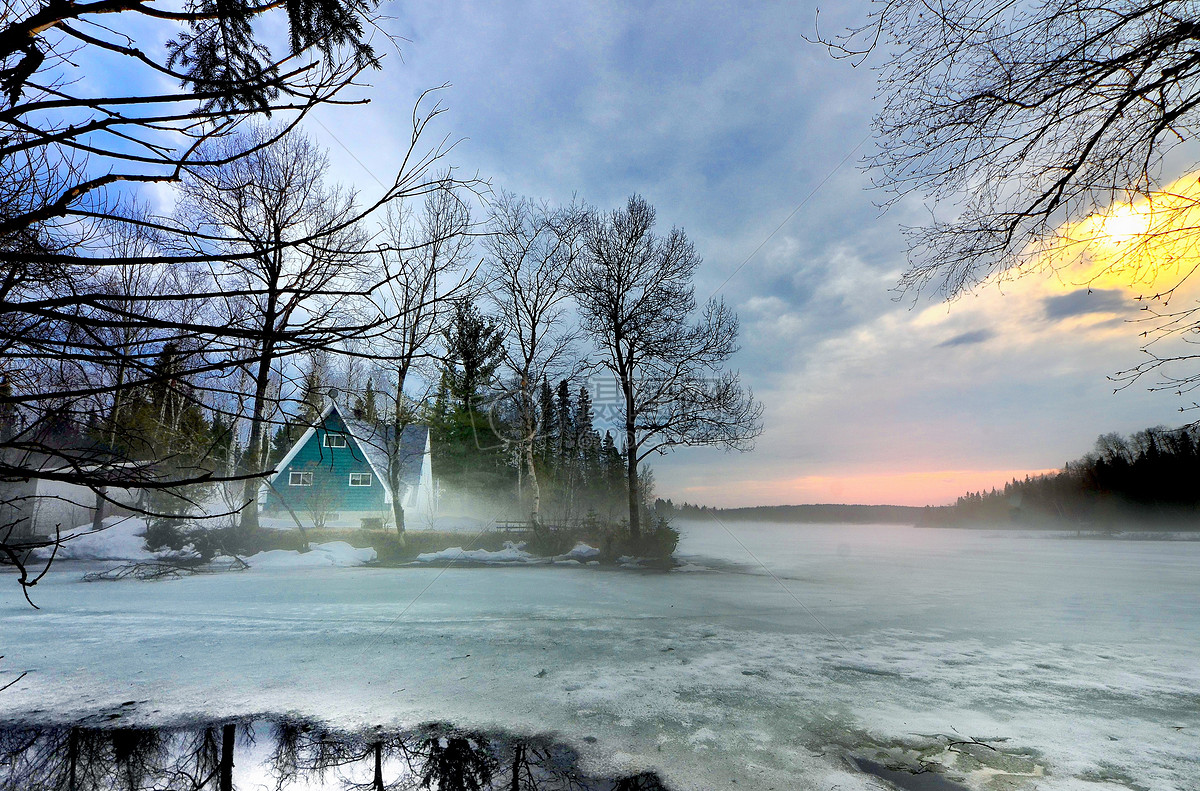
x: 331, y: 469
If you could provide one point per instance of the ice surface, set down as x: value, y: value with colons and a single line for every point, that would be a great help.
x: 1078, y: 657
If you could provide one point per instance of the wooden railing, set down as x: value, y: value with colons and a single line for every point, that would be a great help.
x: 526, y: 526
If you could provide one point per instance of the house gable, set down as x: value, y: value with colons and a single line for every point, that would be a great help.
x: 338, y: 473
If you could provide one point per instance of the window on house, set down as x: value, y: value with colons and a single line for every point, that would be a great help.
x: 360, y: 479
x: 300, y: 479
x: 335, y: 441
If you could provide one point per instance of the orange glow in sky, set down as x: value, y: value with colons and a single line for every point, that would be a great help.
x: 936, y: 487
x: 1138, y: 252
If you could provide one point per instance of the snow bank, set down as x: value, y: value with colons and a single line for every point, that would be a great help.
x: 121, y: 539
x: 512, y: 553
x: 331, y: 554
x: 580, y: 552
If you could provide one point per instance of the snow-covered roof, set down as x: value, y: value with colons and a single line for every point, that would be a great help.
x: 375, y: 438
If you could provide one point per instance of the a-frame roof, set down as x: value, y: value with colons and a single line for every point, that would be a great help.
x: 371, y: 442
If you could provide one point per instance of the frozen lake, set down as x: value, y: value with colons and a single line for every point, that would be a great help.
x: 789, y: 649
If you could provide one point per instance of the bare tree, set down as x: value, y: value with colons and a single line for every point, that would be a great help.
x: 118, y: 348
x: 530, y: 248
x: 73, y: 149
x: 320, y: 498
x: 429, y: 253
x: 637, y: 302
x: 1013, y: 118
x: 287, y: 249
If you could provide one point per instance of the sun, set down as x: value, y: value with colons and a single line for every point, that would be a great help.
x: 1124, y: 223
x: 1147, y: 240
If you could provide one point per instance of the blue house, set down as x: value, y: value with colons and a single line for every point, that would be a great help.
x: 336, y: 475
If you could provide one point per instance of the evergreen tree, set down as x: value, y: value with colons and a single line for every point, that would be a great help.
x: 614, y: 463
x: 584, y: 418
x: 365, y: 405
x: 182, y: 429
x: 467, y: 450
x: 473, y: 347
x: 1148, y: 478
x: 587, y: 442
x: 437, y: 412
x: 370, y: 408
x: 162, y: 421
x: 165, y: 422
x: 548, y: 421
x: 312, y: 402
x: 224, y: 444
x: 282, y: 440
x: 566, y: 427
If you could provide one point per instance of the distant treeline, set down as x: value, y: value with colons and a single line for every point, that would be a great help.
x: 1149, y: 479
x: 822, y: 513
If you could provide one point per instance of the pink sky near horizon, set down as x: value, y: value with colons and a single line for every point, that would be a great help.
x: 930, y: 487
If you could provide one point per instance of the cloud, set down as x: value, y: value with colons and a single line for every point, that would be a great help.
x: 967, y: 338
x: 727, y: 121
x: 1085, y: 301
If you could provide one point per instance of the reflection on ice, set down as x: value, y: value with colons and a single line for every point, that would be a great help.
x: 907, y: 779
x: 285, y: 754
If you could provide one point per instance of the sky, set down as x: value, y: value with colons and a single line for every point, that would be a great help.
x: 750, y: 138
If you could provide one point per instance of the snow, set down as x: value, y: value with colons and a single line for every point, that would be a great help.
x: 1080, y: 658
x: 328, y: 555
x: 582, y: 552
x: 512, y: 553
x: 120, y: 539
x: 123, y: 539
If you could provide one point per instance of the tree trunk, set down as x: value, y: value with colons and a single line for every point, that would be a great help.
x: 631, y: 479
x: 254, y: 460
x: 377, y: 783
x: 398, y: 511
x: 98, y: 515
x: 394, y: 461
x: 228, y: 733
x: 529, y: 430
x: 535, y: 488
x: 113, y: 417
x: 72, y: 758
x: 631, y: 457
x: 518, y: 759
